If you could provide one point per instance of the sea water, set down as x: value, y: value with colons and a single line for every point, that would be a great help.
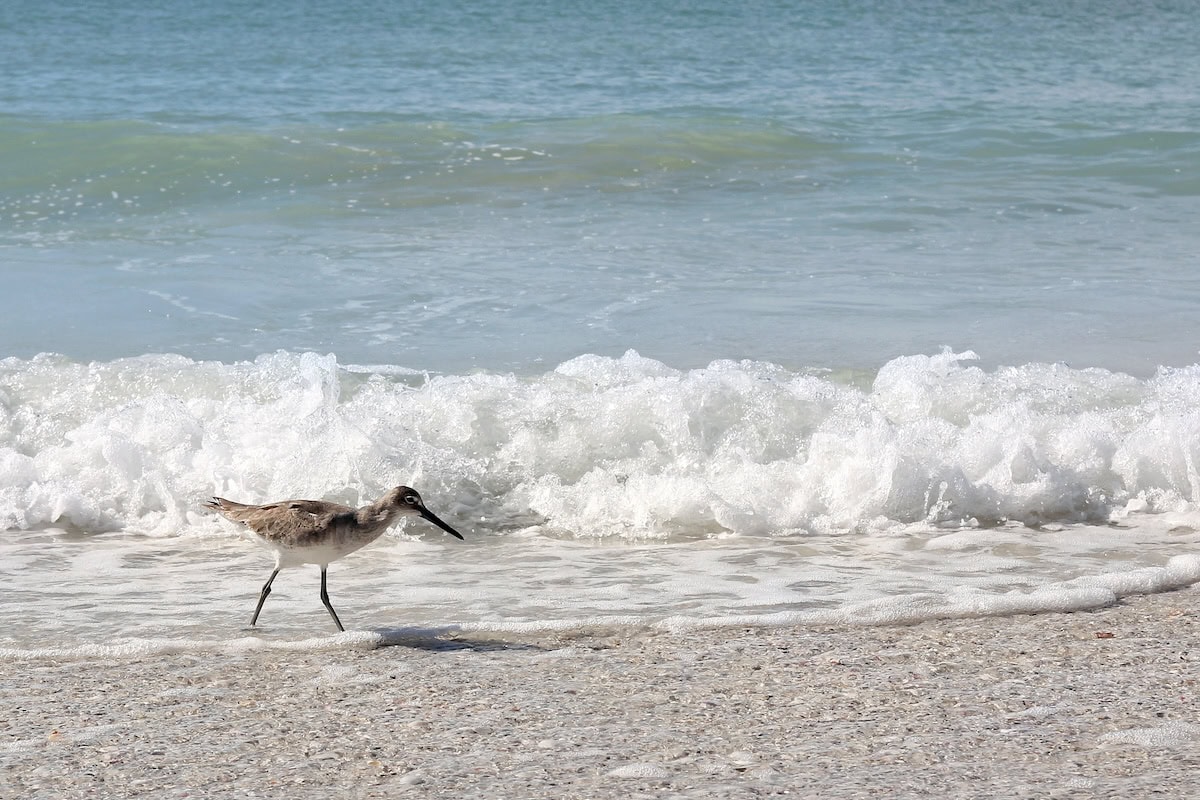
x: 683, y: 313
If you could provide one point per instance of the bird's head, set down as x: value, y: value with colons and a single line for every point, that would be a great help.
x: 406, y: 500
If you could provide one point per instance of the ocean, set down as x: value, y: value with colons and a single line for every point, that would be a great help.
x: 683, y: 313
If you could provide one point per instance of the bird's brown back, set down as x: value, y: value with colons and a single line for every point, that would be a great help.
x: 289, y: 522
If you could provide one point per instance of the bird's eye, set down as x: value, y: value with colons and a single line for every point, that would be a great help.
x: 411, y: 499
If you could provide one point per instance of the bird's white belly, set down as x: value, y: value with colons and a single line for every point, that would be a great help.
x: 322, y: 554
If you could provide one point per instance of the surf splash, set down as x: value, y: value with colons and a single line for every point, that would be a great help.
x: 599, y: 447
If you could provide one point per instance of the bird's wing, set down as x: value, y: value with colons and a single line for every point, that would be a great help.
x: 283, y: 521
x: 286, y: 520
x: 318, y: 508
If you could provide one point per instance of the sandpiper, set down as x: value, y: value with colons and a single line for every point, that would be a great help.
x: 320, y: 532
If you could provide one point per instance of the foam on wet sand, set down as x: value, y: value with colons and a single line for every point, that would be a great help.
x: 1099, y: 703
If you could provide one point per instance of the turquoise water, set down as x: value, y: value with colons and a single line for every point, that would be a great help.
x: 509, y: 185
x: 799, y: 309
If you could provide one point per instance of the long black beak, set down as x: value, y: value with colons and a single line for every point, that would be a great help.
x: 429, y: 516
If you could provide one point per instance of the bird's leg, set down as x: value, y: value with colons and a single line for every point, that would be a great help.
x: 325, y: 600
x: 262, y: 598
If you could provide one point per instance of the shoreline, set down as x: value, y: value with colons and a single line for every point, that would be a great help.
x: 1089, y: 704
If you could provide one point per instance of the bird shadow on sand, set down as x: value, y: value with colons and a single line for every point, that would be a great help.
x: 449, y: 638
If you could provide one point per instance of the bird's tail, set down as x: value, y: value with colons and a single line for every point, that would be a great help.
x: 221, y: 504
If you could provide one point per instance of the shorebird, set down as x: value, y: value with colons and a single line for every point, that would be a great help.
x: 320, y: 532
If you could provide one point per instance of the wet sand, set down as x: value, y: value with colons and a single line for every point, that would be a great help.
x: 1096, y: 704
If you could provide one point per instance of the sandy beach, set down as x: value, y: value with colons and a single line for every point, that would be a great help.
x: 1100, y: 704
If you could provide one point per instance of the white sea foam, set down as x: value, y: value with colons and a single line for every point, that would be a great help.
x: 600, y: 447
x: 140, y: 648
x: 126, y: 596
x: 603, y: 493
